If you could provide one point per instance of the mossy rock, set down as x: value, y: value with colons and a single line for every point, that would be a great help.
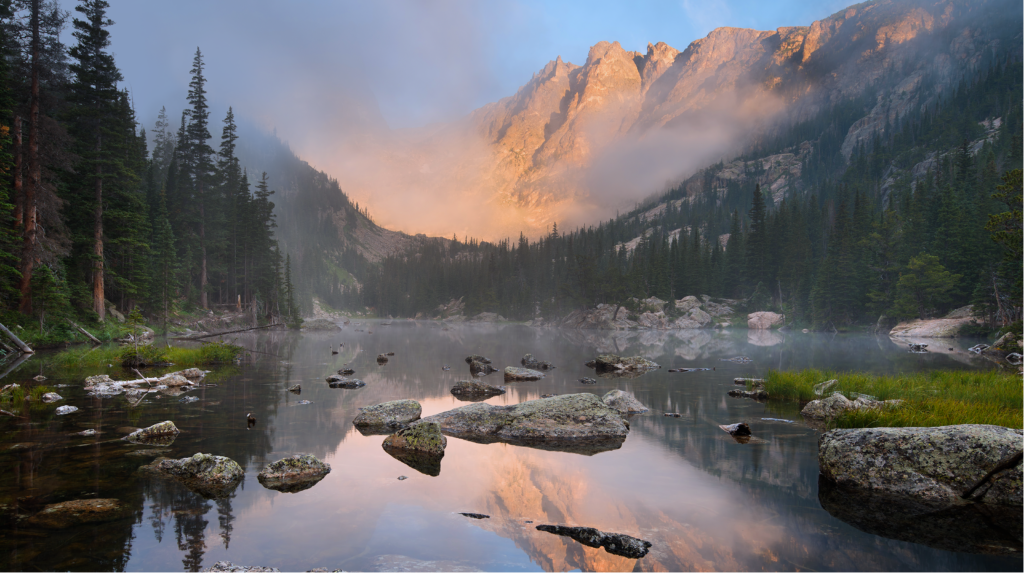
x: 424, y: 437
x: 393, y: 414
x: 77, y: 512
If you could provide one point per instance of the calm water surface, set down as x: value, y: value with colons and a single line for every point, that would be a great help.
x: 705, y: 501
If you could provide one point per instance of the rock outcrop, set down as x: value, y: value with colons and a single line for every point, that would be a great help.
x: 210, y: 476
x: 572, y: 422
x: 944, y: 464
x: 624, y: 402
x: 764, y: 320
x: 294, y: 474
x: 946, y: 327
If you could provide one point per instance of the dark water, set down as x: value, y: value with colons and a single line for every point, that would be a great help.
x: 705, y: 501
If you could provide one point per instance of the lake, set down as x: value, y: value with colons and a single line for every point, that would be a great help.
x: 704, y: 501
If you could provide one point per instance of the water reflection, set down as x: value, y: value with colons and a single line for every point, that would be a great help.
x: 703, y: 500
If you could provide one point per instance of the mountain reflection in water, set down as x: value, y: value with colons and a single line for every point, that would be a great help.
x: 703, y: 500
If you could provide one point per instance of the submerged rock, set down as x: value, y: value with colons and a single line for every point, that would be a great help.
x: 833, y: 406
x: 189, y: 399
x: 522, y: 374
x: 158, y: 434
x: 579, y: 423
x: 294, y: 474
x: 346, y: 371
x: 968, y: 527
x: 382, y: 358
x: 624, y: 402
x: 296, y: 388
x: 615, y: 363
x: 51, y: 397
x: 210, y: 476
x: 79, y: 511
x: 394, y: 414
x: 587, y: 381
x: 476, y: 515
x: 472, y: 391
x: 614, y: 543
x: 529, y: 361
x: 940, y: 464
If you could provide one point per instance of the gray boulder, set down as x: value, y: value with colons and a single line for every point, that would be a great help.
x: 394, y: 414
x: 229, y: 567
x: 51, y: 397
x: 210, y: 476
x: 477, y: 367
x: 338, y: 381
x: 63, y: 410
x: 529, y: 361
x: 519, y: 374
x: 579, y: 423
x: 624, y: 402
x: 940, y: 464
x: 615, y: 363
x: 293, y: 474
x: 836, y: 404
x: 161, y: 434
x: 477, y: 358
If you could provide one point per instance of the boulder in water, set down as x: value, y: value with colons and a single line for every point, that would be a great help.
x: 294, y: 474
x: 157, y: 434
x: 614, y: 543
x: 615, y: 363
x: 520, y: 374
x: 624, y: 402
x: 71, y: 513
x: 467, y: 390
x: 529, y: 361
x: 394, y: 414
x: 210, y: 476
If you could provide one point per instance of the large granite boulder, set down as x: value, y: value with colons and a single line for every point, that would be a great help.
x: 764, y: 320
x: 579, y: 423
x: 71, y: 513
x: 294, y: 474
x: 161, y: 434
x: 624, y: 402
x: 940, y: 464
x: 519, y: 374
x: 394, y: 414
x: 208, y: 475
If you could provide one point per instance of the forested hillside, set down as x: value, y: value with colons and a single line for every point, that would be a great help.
x: 923, y: 218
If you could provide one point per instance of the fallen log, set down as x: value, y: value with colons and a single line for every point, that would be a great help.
x: 226, y: 332
x: 17, y: 341
x: 84, y: 331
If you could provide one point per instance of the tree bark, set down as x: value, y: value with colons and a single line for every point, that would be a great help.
x: 202, y: 248
x: 28, y: 253
x: 98, y: 295
x: 17, y: 341
x: 19, y: 189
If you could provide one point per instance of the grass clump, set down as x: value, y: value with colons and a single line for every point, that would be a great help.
x: 936, y: 398
x: 216, y: 353
x: 148, y: 355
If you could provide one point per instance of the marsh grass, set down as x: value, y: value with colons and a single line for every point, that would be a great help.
x: 936, y: 398
x: 205, y: 355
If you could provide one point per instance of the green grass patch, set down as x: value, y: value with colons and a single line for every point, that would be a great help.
x: 936, y: 398
x: 149, y: 355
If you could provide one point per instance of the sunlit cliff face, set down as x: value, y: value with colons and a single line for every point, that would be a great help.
x: 577, y: 143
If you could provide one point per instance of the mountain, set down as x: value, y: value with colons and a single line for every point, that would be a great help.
x: 578, y: 142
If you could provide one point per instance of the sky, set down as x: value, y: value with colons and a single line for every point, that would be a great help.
x: 314, y: 70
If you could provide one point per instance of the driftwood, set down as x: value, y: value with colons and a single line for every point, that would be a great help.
x: 17, y: 341
x: 84, y: 331
x: 226, y: 332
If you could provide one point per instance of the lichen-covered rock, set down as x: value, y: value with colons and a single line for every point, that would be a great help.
x: 614, y: 543
x: 425, y: 437
x: 64, y: 410
x: 764, y: 320
x: 614, y: 363
x: 394, y: 414
x: 51, y: 397
x: 192, y: 373
x: 624, y: 402
x: 465, y: 389
x: 687, y: 303
x: 79, y: 511
x: 563, y: 422
x: 833, y: 406
x: 208, y: 475
x: 517, y: 374
x: 157, y: 434
x: 934, y: 464
x: 293, y: 474
x: 757, y: 389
